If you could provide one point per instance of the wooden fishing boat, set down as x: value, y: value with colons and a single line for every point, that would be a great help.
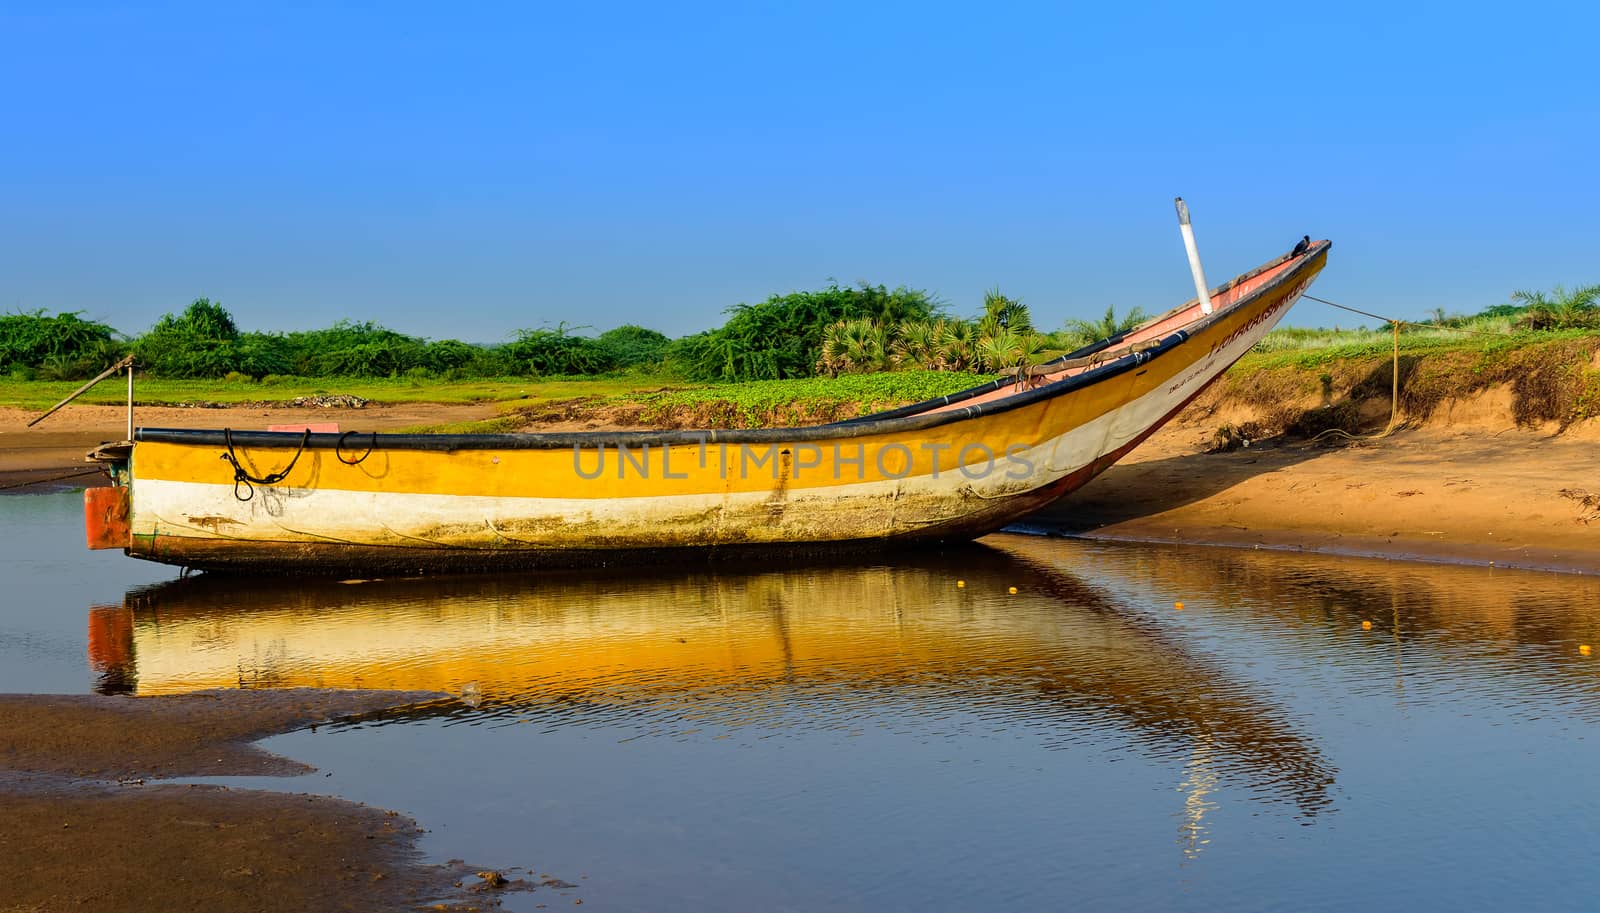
x: 947, y: 469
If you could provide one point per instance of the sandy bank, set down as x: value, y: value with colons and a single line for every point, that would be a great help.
x: 1509, y: 497
x: 56, y: 446
x: 84, y: 830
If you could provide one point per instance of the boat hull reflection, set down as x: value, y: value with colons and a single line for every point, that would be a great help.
x: 939, y: 638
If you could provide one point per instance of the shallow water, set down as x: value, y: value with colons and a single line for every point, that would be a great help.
x: 914, y: 736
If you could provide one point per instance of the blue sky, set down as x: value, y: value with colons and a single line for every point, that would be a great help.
x: 462, y: 170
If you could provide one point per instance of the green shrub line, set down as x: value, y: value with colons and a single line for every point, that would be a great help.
x: 204, y: 342
x: 58, y: 347
x: 837, y: 330
x: 783, y: 337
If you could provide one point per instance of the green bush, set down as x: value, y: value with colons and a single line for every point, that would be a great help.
x: 449, y: 355
x: 353, y: 349
x: 200, y: 342
x: 1000, y: 339
x: 558, y: 352
x: 204, y: 342
x: 1078, y: 332
x: 633, y: 346
x: 64, y: 345
x: 386, y: 357
x: 781, y: 337
x: 260, y: 354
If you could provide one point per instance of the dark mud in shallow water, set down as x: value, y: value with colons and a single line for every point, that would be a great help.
x: 86, y: 826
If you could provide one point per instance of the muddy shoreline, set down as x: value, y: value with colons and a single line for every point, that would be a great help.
x: 89, y: 827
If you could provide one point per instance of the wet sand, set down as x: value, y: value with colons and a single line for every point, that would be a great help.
x: 1510, y: 498
x: 85, y: 830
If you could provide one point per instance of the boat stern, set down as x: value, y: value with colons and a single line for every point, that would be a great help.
x: 106, y: 509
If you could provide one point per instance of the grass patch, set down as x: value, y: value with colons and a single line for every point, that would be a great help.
x: 500, y: 424
x: 1341, y: 380
x: 40, y: 394
x: 760, y: 404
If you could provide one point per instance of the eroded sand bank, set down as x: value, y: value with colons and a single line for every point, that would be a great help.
x: 1513, y: 497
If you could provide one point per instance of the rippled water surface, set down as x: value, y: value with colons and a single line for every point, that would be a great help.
x: 1305, y: 733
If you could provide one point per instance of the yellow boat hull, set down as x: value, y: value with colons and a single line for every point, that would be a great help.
x: 947, y: 470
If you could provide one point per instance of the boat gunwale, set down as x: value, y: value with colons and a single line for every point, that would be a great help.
x: 890, y: 421
x: 1100, y: 346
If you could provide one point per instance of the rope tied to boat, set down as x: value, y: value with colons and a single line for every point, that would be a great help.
x: 48, y: 479
x: 1394, y: 397
x: 242, y: 477
x: 338, y: 449
x: 1398, y: 322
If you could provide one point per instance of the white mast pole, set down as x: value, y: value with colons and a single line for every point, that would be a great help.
x: 1201, y: 290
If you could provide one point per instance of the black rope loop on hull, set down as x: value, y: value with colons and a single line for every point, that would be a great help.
x: 241, y: 477
x: 338, y: 449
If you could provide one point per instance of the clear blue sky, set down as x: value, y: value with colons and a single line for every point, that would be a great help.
x: 461, y: 170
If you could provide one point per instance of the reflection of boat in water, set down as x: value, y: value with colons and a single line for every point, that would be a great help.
x: 1433, y: 633
x: 1483, y: 623
x: 830, y: 646
x: 946, y: 469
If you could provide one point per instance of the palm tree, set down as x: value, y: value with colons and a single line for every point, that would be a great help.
x: 1087, y: 331
x: 853, y: 347
x: 1002, y: 313
x: 1560, y: 309
x: 1004, y: 338
x: 957, y: 341
x: 916, y: 345
x: 1007, y: 350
